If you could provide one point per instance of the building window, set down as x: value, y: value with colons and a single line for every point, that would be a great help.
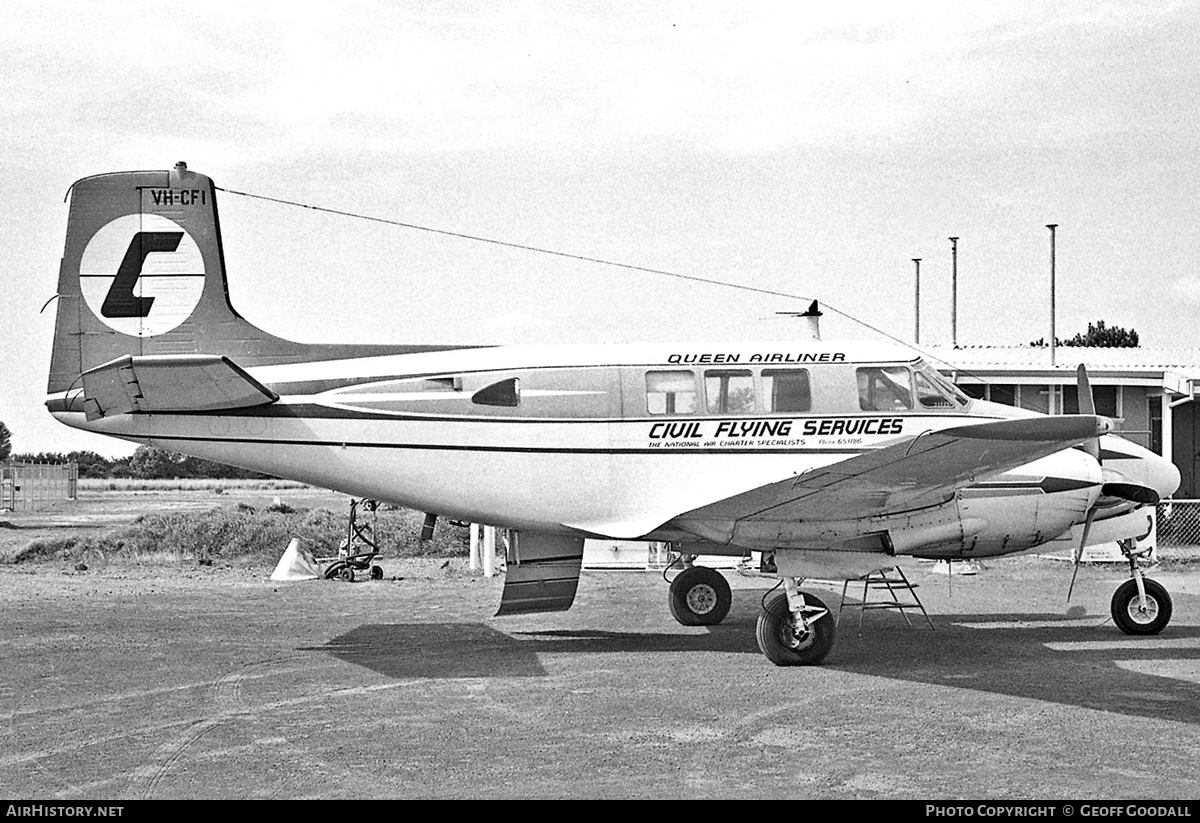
x: 1005, y: 393
x: 1035, y: 398
x: 1107, y: 399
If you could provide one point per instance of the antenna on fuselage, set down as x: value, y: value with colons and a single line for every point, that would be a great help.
x: 813, y: 316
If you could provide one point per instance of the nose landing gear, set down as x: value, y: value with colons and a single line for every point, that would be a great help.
x: 1140, y: 605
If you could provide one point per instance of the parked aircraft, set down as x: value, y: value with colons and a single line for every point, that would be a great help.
x: 838, y: 458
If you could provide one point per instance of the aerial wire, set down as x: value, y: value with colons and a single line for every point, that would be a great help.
x: 584, y: 258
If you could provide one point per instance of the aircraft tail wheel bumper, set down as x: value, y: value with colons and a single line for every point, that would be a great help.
x: 795, y: 629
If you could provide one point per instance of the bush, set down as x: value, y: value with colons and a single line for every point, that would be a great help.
x: 243, y: 533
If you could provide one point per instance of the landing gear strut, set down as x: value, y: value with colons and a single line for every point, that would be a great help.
x: 1140, y: 605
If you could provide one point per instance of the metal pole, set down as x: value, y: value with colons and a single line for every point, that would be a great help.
x: 489, y: 551
x: 917, y: 303
x: 1053, y: 340
x: 954, y: 292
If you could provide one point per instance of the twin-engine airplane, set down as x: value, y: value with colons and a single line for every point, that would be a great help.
x: 836, y: 457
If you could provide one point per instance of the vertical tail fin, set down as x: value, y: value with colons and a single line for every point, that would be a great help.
x: 143, y: 273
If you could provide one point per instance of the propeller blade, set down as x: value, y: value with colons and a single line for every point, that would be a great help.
x: 1087, y: 527
x: 1087, y: 405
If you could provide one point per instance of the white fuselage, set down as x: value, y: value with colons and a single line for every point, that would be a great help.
x: 617, y: 440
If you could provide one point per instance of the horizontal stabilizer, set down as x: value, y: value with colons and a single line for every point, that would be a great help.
x: 170, y: 383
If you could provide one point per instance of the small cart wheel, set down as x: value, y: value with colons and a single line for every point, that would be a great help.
x: 346, y: 574
x: 376, y: 572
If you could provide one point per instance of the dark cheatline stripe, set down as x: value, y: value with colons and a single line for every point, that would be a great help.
x: 1048, y: 485
x: 350, y: 444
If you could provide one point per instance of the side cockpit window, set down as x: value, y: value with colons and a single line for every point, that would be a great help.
x: 929, y: 396
x: 670, y: 392
x: 884, y: 388
x: 729, y: 391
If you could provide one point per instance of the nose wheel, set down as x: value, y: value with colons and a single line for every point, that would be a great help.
x: 1140, y: 605
x: 1137, y: 614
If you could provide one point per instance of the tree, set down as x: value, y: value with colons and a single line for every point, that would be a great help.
x: 150, y: 463
x: 5, y: 442
x: 1099, y: 335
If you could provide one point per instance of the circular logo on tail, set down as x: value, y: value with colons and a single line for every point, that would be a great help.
x: 142, y: 274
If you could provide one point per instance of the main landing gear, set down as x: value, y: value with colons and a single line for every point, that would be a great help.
x: 794, y: 628
x: 699, y: 596
x: 1140, y: 605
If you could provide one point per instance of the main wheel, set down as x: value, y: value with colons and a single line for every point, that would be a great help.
x: 700, y: 597
x: 1127, y: 610
x: 782, y: 644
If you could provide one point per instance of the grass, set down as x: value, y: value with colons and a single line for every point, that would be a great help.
x: 245, y: 534
x: 128, y: 484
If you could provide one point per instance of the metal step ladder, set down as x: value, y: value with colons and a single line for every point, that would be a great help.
x: 894, y: 583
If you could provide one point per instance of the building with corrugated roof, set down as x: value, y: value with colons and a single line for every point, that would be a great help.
x: 1147, y: 392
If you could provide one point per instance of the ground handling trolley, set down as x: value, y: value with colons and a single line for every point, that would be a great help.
x: 358, y: 550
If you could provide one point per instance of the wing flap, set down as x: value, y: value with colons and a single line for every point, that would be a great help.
x: 542, y: 573
x: 170, y: 383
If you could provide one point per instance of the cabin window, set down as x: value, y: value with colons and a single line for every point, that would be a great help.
x: 670, y: 392
x: 786, y: 390
x: 729, y: 391
x: 884, y: 388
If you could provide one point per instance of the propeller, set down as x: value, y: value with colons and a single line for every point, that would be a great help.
x: 1114, y: 483
x: 1087, y: 405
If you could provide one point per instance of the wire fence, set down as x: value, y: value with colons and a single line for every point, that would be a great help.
x: 1178, y: 523
x: 37, y: 486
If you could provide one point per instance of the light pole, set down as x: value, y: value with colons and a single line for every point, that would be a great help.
x: 917, y: 303
x: 1053, y: 341
x: 954, y: 292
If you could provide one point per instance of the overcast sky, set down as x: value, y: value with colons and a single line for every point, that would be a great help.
x: 812, y: 148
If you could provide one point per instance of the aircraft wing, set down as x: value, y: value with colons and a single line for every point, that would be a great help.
x: 921, y: 471
x: 170, y: 383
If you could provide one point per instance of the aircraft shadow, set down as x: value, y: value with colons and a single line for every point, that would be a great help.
x: 1086, y: 664
x: 449, y: 650
x: 1075, y: 663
